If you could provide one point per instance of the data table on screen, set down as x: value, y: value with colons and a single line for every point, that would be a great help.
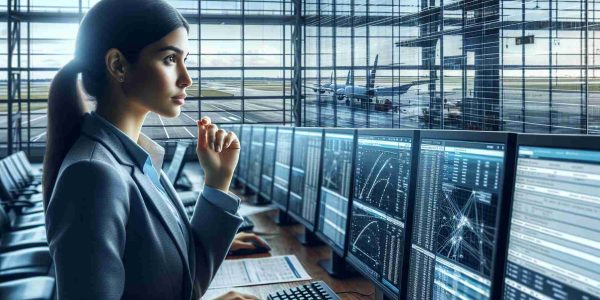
x: 455, y: 217
x: 554, y: 240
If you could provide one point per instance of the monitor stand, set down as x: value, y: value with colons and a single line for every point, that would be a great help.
x: 246, y: 191
x: 308, y: 238
x: 337, y: 267
x: 380, y: 295
x: 283, y: 219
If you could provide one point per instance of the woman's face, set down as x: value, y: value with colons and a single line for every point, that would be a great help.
x: 157, y: 81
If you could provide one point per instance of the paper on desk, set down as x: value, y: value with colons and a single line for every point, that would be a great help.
x: 255, y: 271
x: 247, y: 209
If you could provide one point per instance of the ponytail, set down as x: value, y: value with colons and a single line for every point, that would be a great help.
x: 66, y: 108
x: 128, y: 26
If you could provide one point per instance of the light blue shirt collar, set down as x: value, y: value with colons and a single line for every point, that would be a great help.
x: 147, y: 151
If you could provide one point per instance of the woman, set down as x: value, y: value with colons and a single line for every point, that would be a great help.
x: 115, y: 226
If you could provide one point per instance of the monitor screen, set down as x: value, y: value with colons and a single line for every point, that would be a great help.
x: 554, y: 240
x: 281, y: 175
x: 255, y: 158
x: 246, y: 144
x: 455, y: 215
x: 236, y: 129
x: 379, y: 207
x: 304, y: 184
x: 338, y: 150
x: 268, y: 162
x: 177, y: 162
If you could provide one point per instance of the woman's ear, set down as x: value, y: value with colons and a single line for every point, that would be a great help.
x: 116, y: 64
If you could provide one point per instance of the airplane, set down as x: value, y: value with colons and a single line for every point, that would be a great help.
x: 353, y: 92
x: 329, y: 87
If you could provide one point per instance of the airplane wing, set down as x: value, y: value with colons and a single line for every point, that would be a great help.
x: 317, y: 88
x: 392, y: 91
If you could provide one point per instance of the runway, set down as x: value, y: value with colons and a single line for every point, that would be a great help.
x: 565, y: 113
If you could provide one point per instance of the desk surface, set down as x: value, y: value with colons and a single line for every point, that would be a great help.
x: 282, y: 241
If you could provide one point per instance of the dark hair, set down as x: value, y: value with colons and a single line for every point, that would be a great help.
x: 126, y: 25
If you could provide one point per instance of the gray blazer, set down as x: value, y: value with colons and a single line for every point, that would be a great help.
x: 112, y: 236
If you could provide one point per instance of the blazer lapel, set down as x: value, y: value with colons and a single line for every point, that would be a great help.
x: 192, y: 247
x: 168, y: 185
x: 162, y: 210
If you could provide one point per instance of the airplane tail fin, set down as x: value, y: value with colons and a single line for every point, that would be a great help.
x: 331, y: 78
x: 348, y: 79
x: 371, y: 79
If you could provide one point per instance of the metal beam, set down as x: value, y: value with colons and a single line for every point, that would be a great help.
x: 296, y: 78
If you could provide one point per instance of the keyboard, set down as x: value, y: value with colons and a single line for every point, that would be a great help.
x: 315, y: 290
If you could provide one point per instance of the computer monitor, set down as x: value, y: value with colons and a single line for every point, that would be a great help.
x: 246, y: 146
x: 554, y: 236
x: 268, y: 165
x: 384, y: 175
x: 236, y: 128
x: 177, y: 163
x: 255, y: 159
x: 281, y: 173
x: 460, y: 210
x: 336, y: 187
x: 304, y: 182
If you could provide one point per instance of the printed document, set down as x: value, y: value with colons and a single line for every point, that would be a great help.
x: 255, y: 271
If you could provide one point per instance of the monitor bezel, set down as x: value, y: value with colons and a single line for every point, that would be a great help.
x: 307, y: 223
x: 260, y: 188
x: 283, y: 206
x: 341, y: 251
x: 236, y: 128
x: 563, y: 141
x: 179, y: 169
x: 249, y: 185
x: 243, y: 173
x: 505, y: 190
x: 355, y: 261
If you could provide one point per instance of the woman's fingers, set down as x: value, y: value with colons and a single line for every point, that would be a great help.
x: 201, y: 134
x: 232, y: 141
x: 211, y: 133
x: 233, y: 295
x: 202, y: 131
x: 260, y: 241
x: 244, y: 245
x: 229, y: 137
x: 219, y: 139
x: 206, y: 121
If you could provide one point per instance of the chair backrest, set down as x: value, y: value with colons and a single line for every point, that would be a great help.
x: 13, y: 174
x: 25, y: 162
x: 177, y: 162
x: 17, y: 170
x: 4, y: 221
x: 7, y: 186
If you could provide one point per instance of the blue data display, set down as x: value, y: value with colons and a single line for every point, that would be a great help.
x: 268, y: 162
x: 378, y: 213
x: 454, y: 229
x: 335, y: 186
x: 255, y: 158
x: 554, y: 238
x: 281, y: 175
x: 306, y: 163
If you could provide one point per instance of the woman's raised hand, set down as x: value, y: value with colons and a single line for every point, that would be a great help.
x: 218, y: 152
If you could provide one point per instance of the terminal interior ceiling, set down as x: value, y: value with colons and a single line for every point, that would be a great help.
x: 493, y: 65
